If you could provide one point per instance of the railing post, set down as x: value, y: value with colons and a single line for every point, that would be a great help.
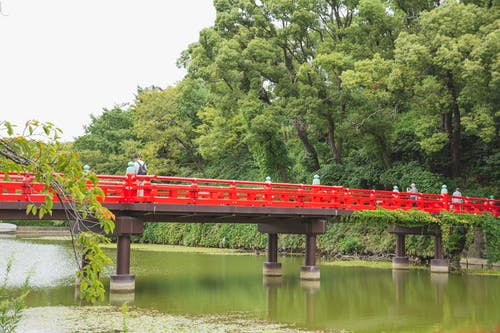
x: 129, y: 188
x: 232, y: 193
x: 193, y: 191
x: 445, y: 201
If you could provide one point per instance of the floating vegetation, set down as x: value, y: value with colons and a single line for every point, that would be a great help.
x: 107, y: 319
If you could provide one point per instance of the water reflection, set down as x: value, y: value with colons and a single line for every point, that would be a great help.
x: 400, y: 277
x: 271, y: 285
x: 348, y: 298
x: 310, y: 289
x: 46, y: 265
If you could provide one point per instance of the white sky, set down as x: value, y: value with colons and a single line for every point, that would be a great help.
x: 63, y: 60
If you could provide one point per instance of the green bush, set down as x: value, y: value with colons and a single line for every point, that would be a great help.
x: 351, y: 245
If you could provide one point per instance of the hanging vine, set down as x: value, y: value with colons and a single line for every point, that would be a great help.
x: 457, y: 229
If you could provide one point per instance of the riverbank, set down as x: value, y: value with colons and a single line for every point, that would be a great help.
x: 469, y: 265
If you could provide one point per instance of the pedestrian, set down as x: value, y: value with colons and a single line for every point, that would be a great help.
x: 130, y: 168
x: 140, y: 169
x: 413, y: 189
x: 457, y: 198
x: 444, y: 189
x: 140, y: 165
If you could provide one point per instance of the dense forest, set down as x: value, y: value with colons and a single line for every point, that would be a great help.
x: 366, y: 94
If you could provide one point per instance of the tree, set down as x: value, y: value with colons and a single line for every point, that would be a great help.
x: 166, y: 121
x: 281, y: 62
x: 109, y: 141
x: 36, y: 151
x: 449, y: 69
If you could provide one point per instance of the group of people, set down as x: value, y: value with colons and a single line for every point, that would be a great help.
x: 456, y: 196
x: 138, y: 167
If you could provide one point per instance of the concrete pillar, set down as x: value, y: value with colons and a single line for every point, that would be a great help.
x: 310, y: 271
x: 272, y: 267
x: 439, y: 264
x: 400, y: 261
x: 123, y: 282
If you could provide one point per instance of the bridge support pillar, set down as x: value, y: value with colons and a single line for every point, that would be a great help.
x: 272, y: 267
x: 400, y: 261
x: 310, y: 271
x: 123, y: 282
x: 439, y: 264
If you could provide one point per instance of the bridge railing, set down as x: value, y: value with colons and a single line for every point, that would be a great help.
x: 197, y: 191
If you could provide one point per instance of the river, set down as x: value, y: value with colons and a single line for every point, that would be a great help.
x: 213, y: 285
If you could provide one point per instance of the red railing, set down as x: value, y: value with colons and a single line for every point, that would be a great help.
x: 196, y: 191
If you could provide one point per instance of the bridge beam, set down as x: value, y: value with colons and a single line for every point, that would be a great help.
x: 123, y: 281
x: 306, y: 227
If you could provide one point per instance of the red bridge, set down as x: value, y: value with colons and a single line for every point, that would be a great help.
x: 213, y: 192
x: 275, y: 207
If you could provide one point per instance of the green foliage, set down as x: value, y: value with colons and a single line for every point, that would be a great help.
x: 91, y: 287
x: 412, y: 217
x: 238, y: 236
x: 491, y: 228
x: 351, y: 245
x: 109, y: 141
x: 403, y: 174
x: 457, y: 229
x: 11, y: 306
x: 124, y: 310
x: 355, y: 91
x: 37, y: 151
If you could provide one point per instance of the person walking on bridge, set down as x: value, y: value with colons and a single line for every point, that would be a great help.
x: 140, y: 165
x: 140, y: 169
x: 456, y: 199
x: 413, y: 189
x: 130, y: 168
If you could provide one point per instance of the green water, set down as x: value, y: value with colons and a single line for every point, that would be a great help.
x: 349, y: 298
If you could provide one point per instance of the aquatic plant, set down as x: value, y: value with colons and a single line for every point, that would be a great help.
x: 11, y: 306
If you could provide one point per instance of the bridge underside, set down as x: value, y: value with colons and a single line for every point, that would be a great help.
x: 150, y: 212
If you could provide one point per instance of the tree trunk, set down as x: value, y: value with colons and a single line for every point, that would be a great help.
x: 453, y: 129
x: 455, y: 142
x: 302, y: 133
x: 384, y: 151
x: 331, y: 138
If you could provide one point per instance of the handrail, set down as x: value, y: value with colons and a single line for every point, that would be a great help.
x: 219, y: 192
